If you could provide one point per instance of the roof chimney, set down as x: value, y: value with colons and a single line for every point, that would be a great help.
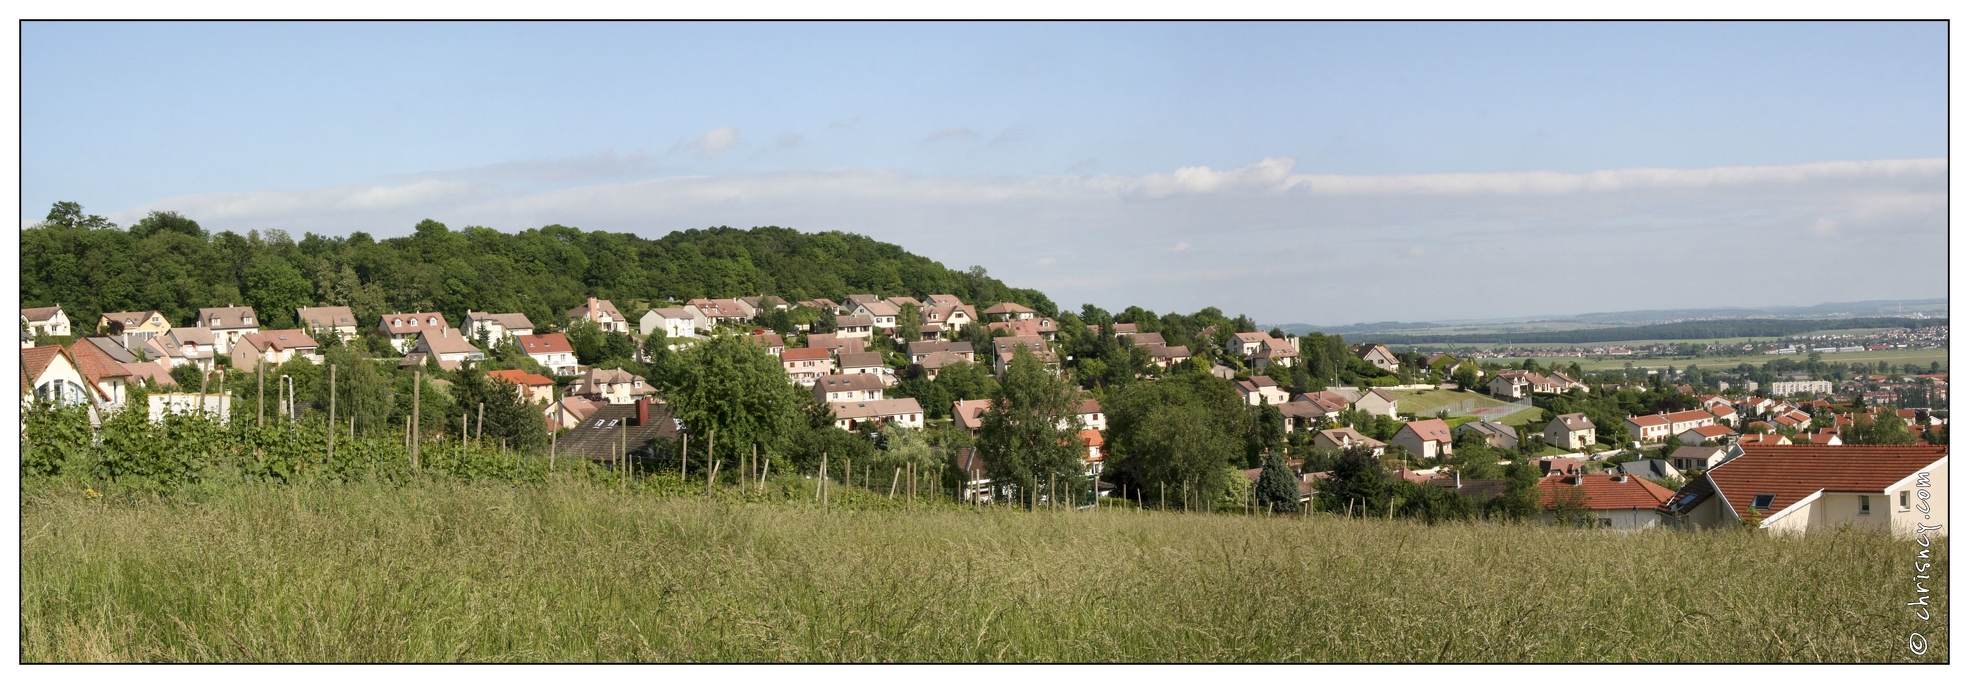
x: 642, y: 411
x: 1579, y: 478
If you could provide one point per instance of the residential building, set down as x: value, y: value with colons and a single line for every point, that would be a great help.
x: 866, y: 362
x: 934, y: 362
x: 531, y: 388
x: 133, y: 326
x: 602, y: 313
x: 493, y: 327
x: 1619, y: 501
x: 807, y: 365
x: 185, y: 346
x: 632, y: 431
x: 46, y: 320
x: 674, y: 322
x: 952, y: 316
x: 449, y: 345
x: 1245, y: 344
x: 769, y: 341
x: 709, y: 313
x: 1650, y: 468
x: 1165, y: 356
x: 403, y: 329
x: 50, y: 374
x: 552, y: 351
x: 1571, y: 431
x: 320, y: 322
x: 835, y: 344
x: 904, y: 413
x: 1724, y: 414
x: 1007, y: 347
x: 1091, y: 416
x: 1806, y: 488
x: 1259, y: 390
x: 609, y: 386
x: 570, y: 411
x: 1698, y: 458
x: 1785, y: 389
x: 1282, y: 352
x: 1702, y: 434
x: 859, y: 326
x: 848, y: 388
x: 1377, y: 402
x: 1041, y: 327
x: 1379, y: 356
x: 102, y: 370
x: 274, y: 347
x: 228, y: 324
x: 918, y: 351
x: 1494, y: 434
x: 1648, y: 428
x: 1008, y: 311
x: 1345, y: 438
x: 1425, y: 438
x: 969, y: 413
x: 881, y: 315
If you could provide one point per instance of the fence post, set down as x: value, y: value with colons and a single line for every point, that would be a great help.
x: 416, y: 420
x: 331, y: 411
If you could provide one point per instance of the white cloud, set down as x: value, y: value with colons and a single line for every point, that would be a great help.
x: 713, y: 143
x: 1286, y: 237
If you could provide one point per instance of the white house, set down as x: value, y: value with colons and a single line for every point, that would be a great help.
x: 495, y: 327
x: 274, y: 347
x: 905, y: 412
x: 339, y: 321
x: 46, y: 320
x: 674, y: 322
x: 551, y: 350
x: 403, y: 329
x: 228, y: 324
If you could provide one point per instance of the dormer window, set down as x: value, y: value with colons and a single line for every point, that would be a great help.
x: 1762, y: 502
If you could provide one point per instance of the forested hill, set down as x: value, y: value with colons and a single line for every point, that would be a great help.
x: 168, y: 263
x: 1685, y: 330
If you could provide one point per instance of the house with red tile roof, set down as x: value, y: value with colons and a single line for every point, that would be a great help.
x: 1425, y: 438
x: 1651, y: 427
x: 1617, y: 500
x: 1826, y: 437
x: 531, y: 388
x: 1259, y: 390
x: 551, y: 351
x: 1697, y: 436
x: 1724, y: 414
x: 1763, y: 439
x: 807, y: 365
x: 602, y: 313
x: 51, y: 374
x: 102, y: 370
x: 1809, y: 488
x: 274, y: 347
x: 969, y: 413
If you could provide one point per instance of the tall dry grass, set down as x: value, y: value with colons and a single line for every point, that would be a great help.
x: 573, y: 570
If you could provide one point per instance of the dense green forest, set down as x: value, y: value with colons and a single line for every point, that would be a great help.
x: 1685, y: 330
x: 168, y: 263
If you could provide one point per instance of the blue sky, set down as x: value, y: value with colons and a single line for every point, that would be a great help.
x: 1038, y: 150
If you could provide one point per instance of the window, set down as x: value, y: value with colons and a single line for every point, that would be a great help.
x: 1762, y: 501
x: 1866, y: 505
x: 1904, y: 501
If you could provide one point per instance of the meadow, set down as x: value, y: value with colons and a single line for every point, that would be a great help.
x: 573, y: 568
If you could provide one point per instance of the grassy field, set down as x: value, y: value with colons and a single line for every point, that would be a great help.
x: 574, y: 571
x: 1425, y: 403
x: 1920, y: 357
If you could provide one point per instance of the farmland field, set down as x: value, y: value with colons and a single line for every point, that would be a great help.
x: 571, y: 570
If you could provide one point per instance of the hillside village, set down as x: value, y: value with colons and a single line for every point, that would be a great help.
x: 875, y: 364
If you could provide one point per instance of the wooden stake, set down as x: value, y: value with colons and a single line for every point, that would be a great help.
x: 259, y: 371
x: 712, y: 478
x: 481, y: 423
x: 893, y: 481
x: 331, y: 411
x: 685, y: 473
x: 763, y: 472
x: 416, y: 420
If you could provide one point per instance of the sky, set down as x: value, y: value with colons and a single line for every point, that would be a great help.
x: 1323, y: 173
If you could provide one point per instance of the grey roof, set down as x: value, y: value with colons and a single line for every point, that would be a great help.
x: 1649, y: 467
x: 1573, y: 421
x: 601, y: 434
x: 847, y: 383
x: 446, y: 341
x: 861, y: 359
x: 229, y: 317
x: 113, y: 349
x: 875, y: 408
x: 325, y: 317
